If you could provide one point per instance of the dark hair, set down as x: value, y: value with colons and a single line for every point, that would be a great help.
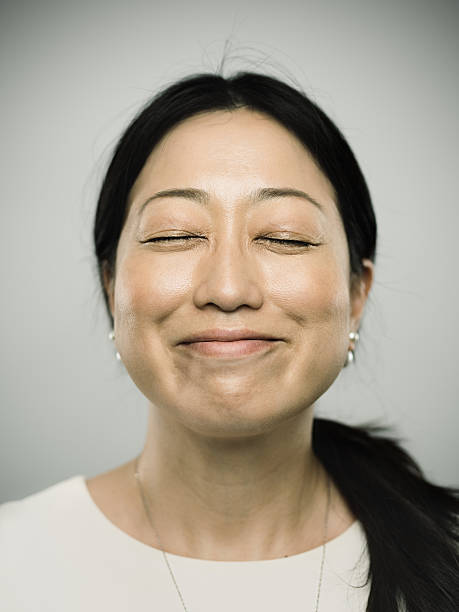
x: 411, y: 525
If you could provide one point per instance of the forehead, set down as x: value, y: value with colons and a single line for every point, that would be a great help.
x: 231, y: 152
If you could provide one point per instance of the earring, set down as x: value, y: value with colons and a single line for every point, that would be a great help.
x: 111, y: 336
x: 354, y: 338
x: 349, y: 358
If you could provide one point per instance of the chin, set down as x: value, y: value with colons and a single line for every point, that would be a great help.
x: 239, y: 420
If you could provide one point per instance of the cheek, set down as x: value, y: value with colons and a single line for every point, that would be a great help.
x: 329, y: 298
x: 147, y: 288
x: 316, y: 293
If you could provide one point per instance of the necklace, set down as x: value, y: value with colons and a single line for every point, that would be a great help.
x: 147, y: 512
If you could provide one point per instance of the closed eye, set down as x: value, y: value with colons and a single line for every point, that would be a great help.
x: 166, y: 238
x: 290, y: 242
x: 277, y: 240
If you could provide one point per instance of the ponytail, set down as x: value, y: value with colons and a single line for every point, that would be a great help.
x: 411, y: 525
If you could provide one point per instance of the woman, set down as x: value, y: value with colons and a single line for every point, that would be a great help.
x: 235, y: 240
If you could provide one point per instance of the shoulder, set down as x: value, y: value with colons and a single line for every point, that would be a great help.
x: 40, y: 535
x: 23, y: 520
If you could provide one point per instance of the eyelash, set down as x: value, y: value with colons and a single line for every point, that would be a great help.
x: 277, y: 240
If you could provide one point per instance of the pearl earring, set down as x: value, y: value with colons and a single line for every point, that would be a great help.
x: 111, y: 336
x: 354, y: 338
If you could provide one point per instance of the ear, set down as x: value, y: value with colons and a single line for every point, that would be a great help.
x: 360, y: 288
x: 109, y: 285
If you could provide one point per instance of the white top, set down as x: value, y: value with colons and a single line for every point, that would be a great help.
x: 58, y: 551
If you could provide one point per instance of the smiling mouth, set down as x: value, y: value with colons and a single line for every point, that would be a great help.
x: 230, y: 348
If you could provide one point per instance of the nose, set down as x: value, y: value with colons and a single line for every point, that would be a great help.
x: 228, y: 277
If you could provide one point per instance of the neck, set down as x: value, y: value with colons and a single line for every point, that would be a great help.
x: 253, y: 498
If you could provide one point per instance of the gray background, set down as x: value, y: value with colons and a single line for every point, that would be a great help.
x: 74, y: 73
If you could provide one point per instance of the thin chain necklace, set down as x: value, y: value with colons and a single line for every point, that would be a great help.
x: 147, y: 512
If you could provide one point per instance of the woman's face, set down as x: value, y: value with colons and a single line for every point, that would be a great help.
x: 226, y: 269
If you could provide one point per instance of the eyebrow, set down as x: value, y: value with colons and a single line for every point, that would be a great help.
x: 202, y: 197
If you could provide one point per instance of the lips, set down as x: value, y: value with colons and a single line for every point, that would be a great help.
x: 233, y: 349
x: 226, y: 335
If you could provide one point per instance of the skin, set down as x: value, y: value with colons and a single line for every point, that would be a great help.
x: 227, y: 462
